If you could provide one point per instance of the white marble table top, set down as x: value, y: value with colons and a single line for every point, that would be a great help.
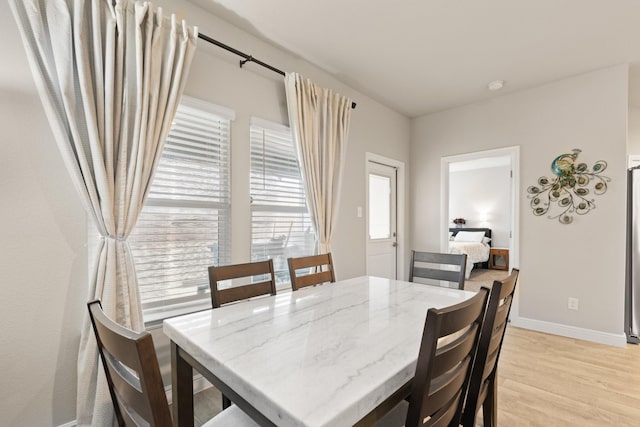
x: 320, y: 356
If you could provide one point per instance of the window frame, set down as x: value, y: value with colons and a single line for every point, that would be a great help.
x: 155, y: 311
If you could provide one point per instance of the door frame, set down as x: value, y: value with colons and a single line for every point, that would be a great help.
x: 400, y: 210
x: 514, y: 246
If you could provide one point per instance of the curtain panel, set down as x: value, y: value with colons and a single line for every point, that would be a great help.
x: 319, y: 119
x: 110, y: 76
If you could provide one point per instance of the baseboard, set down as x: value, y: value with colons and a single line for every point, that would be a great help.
x: 69, y: 424
x: 618, y: 340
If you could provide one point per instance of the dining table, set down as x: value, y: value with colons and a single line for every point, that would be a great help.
x: 337, y: 354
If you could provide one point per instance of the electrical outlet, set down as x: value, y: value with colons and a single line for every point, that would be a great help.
x: 572, y: 303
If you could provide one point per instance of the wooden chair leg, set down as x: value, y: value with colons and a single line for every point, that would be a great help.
x: 490, y: 404
x: 225, y: 402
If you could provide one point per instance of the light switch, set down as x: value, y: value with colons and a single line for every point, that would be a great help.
x: 359, y: 212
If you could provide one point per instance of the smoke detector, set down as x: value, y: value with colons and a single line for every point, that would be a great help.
x: 495, y: 85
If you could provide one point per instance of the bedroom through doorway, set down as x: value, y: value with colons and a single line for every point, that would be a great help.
x: 480, y: 192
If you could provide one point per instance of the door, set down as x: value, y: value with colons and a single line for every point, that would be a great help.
x: 632, y: 292
x: 382, y: 242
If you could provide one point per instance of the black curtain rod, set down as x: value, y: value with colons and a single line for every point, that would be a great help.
x: 247, y: 58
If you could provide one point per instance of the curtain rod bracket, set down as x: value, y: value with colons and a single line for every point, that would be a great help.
x: 247, y: 59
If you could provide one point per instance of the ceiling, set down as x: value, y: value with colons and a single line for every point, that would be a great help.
x: 421, y: 56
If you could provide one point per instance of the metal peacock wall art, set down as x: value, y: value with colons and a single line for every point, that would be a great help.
x: 570, y: 190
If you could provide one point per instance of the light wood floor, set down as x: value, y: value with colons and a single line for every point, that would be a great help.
x: 546, y: 380
x: 206, y: 405
x: 483, y: 277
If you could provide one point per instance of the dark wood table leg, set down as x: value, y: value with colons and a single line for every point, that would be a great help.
x: 226, y: 402
x: 182, y: 389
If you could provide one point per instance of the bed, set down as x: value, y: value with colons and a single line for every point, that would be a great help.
x: 475, y: 242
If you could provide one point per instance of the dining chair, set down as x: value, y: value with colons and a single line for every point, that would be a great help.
x: 447, y: 350
x: 238, y: 271
x: 483, y: 390
x: 429, y: 265
x: 316, y: 277
x: 133, y: 376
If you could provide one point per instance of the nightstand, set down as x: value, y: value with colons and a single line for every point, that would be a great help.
x: 499, y: 252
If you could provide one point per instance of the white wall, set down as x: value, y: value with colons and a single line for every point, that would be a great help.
x: 585, y: 259
x: 483, y: 198
x: 43, y: 266
x: 43, y: 257
x: 633, y: 138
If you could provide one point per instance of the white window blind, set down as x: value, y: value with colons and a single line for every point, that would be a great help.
x: 280, y: 224
x: 184, y: 226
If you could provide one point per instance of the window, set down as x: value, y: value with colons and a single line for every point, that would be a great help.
x: 184, y: 226
x: 280, y: 224
x: 379, y: 207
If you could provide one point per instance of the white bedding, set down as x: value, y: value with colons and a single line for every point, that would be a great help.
x: 476, y: 252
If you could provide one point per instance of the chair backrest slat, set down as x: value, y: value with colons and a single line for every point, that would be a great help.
x: 437, y: 258
x: 489, y: 365
x: 131, y: 368
x: 434, y: 270
x: 446, y: 389
x: 448, y: 346
x: 489, y: 346
x: 452, y: 353
x: 238, y: 271
x: 313, y: 278
x: 128, y: 390
x: 243, y: 270
x: 120, y: 342
x: 444, y: 417
x: 239, y: 293
x: 502, y: 314
x: 435, y: 274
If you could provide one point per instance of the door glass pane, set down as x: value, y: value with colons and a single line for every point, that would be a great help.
x: 379, y: 207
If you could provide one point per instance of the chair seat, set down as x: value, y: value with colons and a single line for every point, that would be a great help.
x: 232, y: 416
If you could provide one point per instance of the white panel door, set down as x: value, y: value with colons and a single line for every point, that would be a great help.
x: 382, y: 220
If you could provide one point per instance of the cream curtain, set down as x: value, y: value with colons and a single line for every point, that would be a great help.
x: 110, y: 76
x: 319, y: 120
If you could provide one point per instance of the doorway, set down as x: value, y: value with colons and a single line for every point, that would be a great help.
x: 385, y: 215
x: 500, y: 214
